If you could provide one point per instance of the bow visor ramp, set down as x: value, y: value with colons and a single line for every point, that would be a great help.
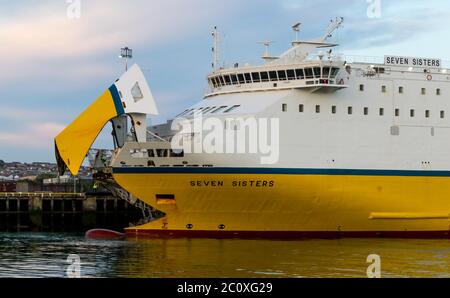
x: 130, y: 95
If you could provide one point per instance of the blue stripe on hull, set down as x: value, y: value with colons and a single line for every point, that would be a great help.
x: 117, y: 101
x: 284, y: 171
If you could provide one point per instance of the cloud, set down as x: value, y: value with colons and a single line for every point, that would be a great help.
x: 44, y: 34
x: 34, y: 135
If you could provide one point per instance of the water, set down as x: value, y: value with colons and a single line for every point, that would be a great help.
x: 45, y: 255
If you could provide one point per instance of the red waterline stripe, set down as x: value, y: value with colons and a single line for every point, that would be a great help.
x: 286, y: 234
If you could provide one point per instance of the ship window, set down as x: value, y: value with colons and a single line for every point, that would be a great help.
x: 400, y: 90
x: 256, y: 77
x: 284, y: 107
x: 381, y: 112
x: 383, y: 89
x: 182, y: 113
x: 290, y: 74
x: 333, y: 109
x: 299, y: 74
x: 397, y: 112
x: 427, y: 114
x: 317, y: 72
x: 248, y: 78
x: 366, y: 111
x: 282, y: 75
x: 227, y: 80
x: 411, y: 113
x: 214, y: 82
x: 309, y: 73
x: 326, y: 72
x: 442, y: 114
x: 219, y: 109
x: 234, y: 79
x: 379, y: 69
x: 273, y: 76
x: 208, y: 109
x: 334, y: 72
x: 241, y: 78
x: 301, y: 108
x: 264, y: 76
x: 438, y: 91
x: 222, y: 82
x: 317, y: 109
x: 361, y: 87
x: 350, y: 110
x: 232, y: 108
x: 423, y: 91
x: 151, y: 153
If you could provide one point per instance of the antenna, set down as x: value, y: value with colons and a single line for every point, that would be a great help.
x: 266, y: 44
x: 296, y: 28
x: 216, y: 49
x: 334, y: 25
x: 266, y: 56
x: 126, y: 53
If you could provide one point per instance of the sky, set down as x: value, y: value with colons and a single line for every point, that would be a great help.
x: 57, y: 57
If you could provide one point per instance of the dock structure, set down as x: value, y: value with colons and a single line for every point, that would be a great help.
x: 44, y: 211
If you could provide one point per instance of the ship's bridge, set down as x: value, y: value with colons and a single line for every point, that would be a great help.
x: 310, y: 75
x: 303, y: 66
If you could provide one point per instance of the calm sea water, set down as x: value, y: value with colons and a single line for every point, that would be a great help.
x: 45, y: 255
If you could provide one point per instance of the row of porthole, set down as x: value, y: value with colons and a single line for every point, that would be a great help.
x: 401, y: 89
x: 191, y: 226
x: 412, y: 113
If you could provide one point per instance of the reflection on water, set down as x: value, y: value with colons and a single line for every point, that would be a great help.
x: 45, y: 254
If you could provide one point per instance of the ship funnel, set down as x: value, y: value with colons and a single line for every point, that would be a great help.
x: 130, y: 95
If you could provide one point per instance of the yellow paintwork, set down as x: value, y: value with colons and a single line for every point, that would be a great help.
x: 74, y: 142
x: 296, y: 202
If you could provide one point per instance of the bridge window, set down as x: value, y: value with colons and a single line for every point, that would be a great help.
x: 309, y: 73
x: 290, y: 74
x: 264, y: 76
x: 256, y: 77
x: 248, y: 78
x: 317, y: 72
x: 301, y: 108
x: 221, y: 80
x: 438, y: 91
x: 284, y: 107
x: 397, y: 112
x: 234, y: 79
x: 381, y: 111
x: 326, y: 72
x: 334, y: 72
x: 282, y: 75
x: 427, y: 114
x: 273, y: 76
x: 299, y: 74
x: 241, y: 78
x: 227, y: 79
x: 232, y: 108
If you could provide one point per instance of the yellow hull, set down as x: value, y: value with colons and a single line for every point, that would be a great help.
x: 292, y: 203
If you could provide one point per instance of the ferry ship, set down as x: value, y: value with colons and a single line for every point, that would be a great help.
x: 363, y: 149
